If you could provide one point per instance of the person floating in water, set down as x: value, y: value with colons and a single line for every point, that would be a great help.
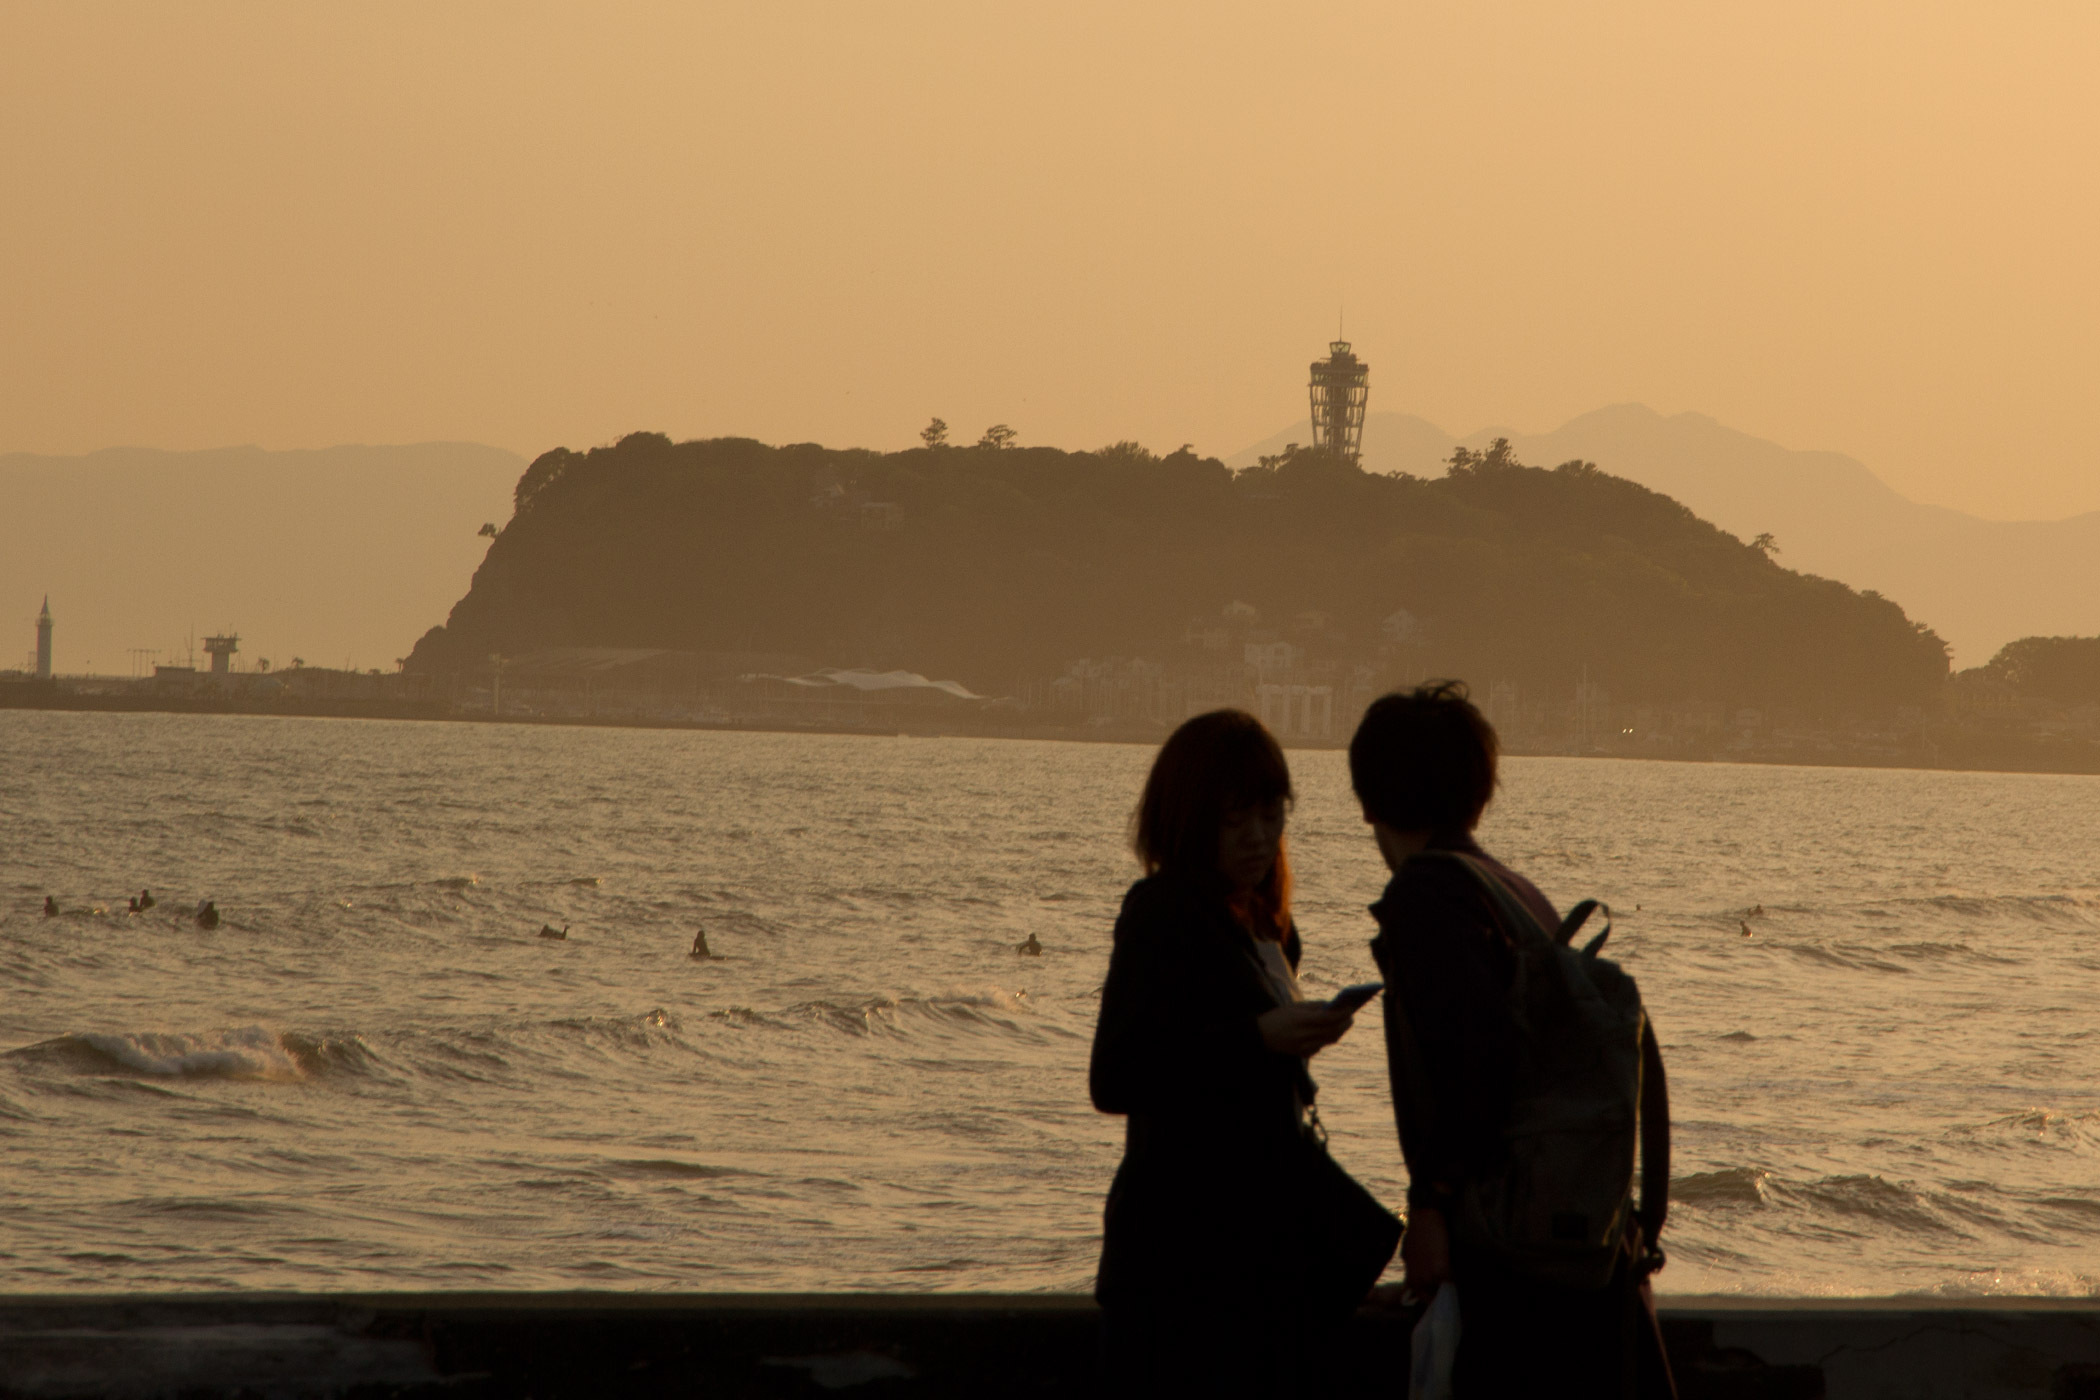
x: 700, y: 949
x: 50, y: 907
x: 1032, y: 948
x: 549, y: 931
x: 207, y: 914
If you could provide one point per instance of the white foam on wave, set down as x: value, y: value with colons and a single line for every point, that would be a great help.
x: 244, y: 1052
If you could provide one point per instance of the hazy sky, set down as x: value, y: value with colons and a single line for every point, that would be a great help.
x: 1867, y: 227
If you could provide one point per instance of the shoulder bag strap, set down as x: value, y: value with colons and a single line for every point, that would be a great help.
x: 1654, y: 1208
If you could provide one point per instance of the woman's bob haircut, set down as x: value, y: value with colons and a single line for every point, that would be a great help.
x: 1214, y: 765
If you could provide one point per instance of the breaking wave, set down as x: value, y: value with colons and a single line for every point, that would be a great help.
x: 2037, y: 1127
x: 243, y: 1052
x: 1000, y: 1012
x: 1864, y: 1204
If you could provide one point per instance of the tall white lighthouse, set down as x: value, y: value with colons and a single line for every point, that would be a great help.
x: 43, y: 641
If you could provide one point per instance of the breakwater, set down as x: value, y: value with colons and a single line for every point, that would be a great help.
x: 491, y: 1345
x: 1962, y: 747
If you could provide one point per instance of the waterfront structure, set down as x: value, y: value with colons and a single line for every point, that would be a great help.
x: 1295, y: 711
x: 221, y: 650
x: 43, y: 641
x: 1341, y: 384
x: 1270, y: 659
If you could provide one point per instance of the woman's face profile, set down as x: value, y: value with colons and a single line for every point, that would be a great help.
x: 1248, y: 840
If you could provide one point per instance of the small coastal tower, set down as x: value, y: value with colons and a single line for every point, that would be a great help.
x: 1340, y: 385
x: 43, y: 641
x: 221, y: 650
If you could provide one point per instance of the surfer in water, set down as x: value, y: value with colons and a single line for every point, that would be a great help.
x: 207, y: 914
x: 146, y: 900
x: 700, y: 949
x: 549, y: 931
x: 1031, y: 948
x: 50, y: 907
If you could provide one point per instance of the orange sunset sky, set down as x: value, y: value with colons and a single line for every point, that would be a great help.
x: 1867, y: 227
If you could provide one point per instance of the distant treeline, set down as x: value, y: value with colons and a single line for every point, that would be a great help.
x: 2063, y: 669
x: 988, y: 564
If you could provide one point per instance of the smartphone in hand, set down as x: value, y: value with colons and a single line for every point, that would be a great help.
x: 1350, y: 998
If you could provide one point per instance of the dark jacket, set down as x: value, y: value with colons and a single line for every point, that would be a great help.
x: 1449, y: 963
x: 1444, y: 955
x: 1214, y: 1114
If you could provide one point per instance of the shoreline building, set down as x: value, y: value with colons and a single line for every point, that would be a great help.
x: 43, y: 641
x: 1341, y: 384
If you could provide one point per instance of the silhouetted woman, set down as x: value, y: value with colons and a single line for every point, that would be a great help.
x: 1212, y: 1273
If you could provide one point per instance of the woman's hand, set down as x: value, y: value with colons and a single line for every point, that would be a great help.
x: 1425, y: 1251
x: 1303, y: 1027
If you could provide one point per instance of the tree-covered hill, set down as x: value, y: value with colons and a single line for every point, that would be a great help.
x: 994, y: 565
x: 2065, y: 670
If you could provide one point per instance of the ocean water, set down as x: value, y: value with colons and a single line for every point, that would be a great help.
x: 374, y: 1074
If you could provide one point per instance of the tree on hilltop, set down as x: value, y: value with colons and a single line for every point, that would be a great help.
x: 1126, y: 451
x: 2065, y: 669
x: 934, y: 434
x: 1499, y: 456
x: 998, y: 437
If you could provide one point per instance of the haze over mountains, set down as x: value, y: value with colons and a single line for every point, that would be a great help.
x: 351, y: 553
x: 345, y: 554
x: 1978, y: 583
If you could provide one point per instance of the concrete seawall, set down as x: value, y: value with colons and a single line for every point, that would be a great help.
x: 195, y: 1346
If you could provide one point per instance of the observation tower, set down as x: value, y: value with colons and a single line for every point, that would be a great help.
x: 1340, y: 385
x: 221, y: 650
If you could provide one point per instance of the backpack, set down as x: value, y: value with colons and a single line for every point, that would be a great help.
x: 1588, y: 1087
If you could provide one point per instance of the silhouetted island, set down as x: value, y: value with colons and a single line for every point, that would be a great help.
x: 1118, y: 587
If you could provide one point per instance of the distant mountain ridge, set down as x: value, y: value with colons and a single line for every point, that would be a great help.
x: 334, y: 554
x: 1978, y: 583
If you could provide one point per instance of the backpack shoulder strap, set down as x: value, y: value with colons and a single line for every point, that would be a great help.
x: 1577, y: 917
x: 1512, y: 913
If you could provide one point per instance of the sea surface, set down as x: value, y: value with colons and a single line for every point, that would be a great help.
x: 376, y: 1075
